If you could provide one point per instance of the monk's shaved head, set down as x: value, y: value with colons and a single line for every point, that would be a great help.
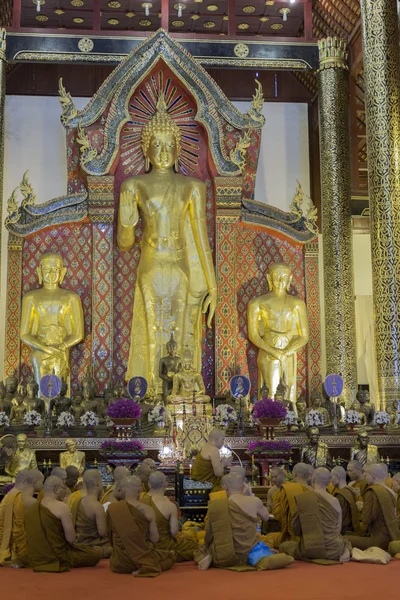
x: 375, y: 473
x: 131, y: 484
x: 144, y: 472
x: 59, y: 472
x: 277, y: 476
x: 238, y: 470
x: 51, y: 484
x: 120, y: 473
x: 149, y: 462
x: 234, y: 483
x: 157, y: 480
x: 217, y: 438
x: 301, y: 472
x: 28, y: 477
x: 396, y: 483
x: 92, y: 478
x: 321, y: 477
x: 338, y: 476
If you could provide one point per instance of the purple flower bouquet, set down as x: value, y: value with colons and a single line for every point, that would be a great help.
x: 123, y: 447
x: 7, y: 488
x: 124, y: 409
x: 269, y: 409
x: 270, y: 447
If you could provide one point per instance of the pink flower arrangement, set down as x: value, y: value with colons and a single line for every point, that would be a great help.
x: 269, y: 409
x: 123, y: 447
x: 270, y: 447
x: 124, y: 409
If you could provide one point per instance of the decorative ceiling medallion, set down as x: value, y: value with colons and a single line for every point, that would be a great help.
x: 85, y: 45
x: 42, y: 2
x: 77, y: 3
x: 179, y: 4
x: 249, y: 9
x: 209, y: 24
x: 42, y: 18
x: 276, y: 26
x: 144, y: 23
x: 225, y: 18
x: 114, y: 4
x: 269, y: 2
x: 130, y: 15
x: 78, y: 20
x: 195, y: 17
x: 243, y: 26
x: 264, y: 19
x: 212, y: 7
x: 241, y: 50
x: 59, y: 11
x: 284, y: 10
x: 178, y: 23
x: 113, y: 22
x: 222, y: 33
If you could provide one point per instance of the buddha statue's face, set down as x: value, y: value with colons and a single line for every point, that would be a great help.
x: 363, y: 440
x: 87, y: 391
x: 51, y: 270
x: 31, y: 390
x: 171, y: 349
x: 187, y: 364
x: 21, y: 441
x: 78, y: 399
x: 162, y: 150
x: 279, y: 279
x: 11, y: 385
x: 301, y: 407
x: 316, y: 402
x: 279, y: 396
x: 19, y: 400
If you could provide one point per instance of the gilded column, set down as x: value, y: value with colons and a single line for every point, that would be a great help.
x: 3, y: 63
x: 340, y: 329
x: 382, y: 105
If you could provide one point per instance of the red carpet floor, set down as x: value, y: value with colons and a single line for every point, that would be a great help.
x: 300, y: 581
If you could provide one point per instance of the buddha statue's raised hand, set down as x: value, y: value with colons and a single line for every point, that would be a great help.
x: 128, y: 209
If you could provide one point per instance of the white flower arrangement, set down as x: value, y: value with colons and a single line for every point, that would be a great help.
x: 225, y: 413
x: 32, y: 418
x: 291, y: 418
x: 314, y: 418
x: 352, y: 417
x: 382, y: 418
x: 89, y: 419
x: 4, y: 420
x: 65, y: 419
x: 158, y: 414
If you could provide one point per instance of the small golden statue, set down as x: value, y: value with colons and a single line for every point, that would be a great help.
x: 363, y: 451
x: 175, y: 279
x: 62, y: 403
x: 52, y: 320
x: 24, y: 457
x: 169, y: 366
x: 18, y: 411
x: 315, y: 453
x: 11, y: 388
x: 278, y: 326
x: 73, y: 457
x: 77, y: 408
x: 316, y: 404
x: 188, y: 385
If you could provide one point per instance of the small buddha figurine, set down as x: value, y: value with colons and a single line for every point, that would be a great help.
x: 5, y: 405
x: 77, y: 409
x: 11, y: 388
x: 119, y: 390
x: 89, y: 395
x: 18, y: 411
x: 73, y: 457
x: 393, y: 410
x: 108, y: 395
x: 301, y: 411
x: 52, y: 320
x: 315, y: 453
x: 366, y: 407
x: 32, y: 402
x: 188, y: 385
x: 24, y: 457
x: 363, y: 419
x: 169, y: 365
x: 316, y: 404
x: 62, y: 403
x: 363, y: 451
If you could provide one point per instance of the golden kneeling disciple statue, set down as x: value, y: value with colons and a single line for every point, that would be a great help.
x: 52, y: 320
x: 175, y: 278
x: 73, y: 457
x: 278, y: 326
x: 24, y: 458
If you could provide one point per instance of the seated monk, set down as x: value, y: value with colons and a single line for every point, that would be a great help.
x: 55, y: 472
x: 149, y: 462
x: 208, y: 465
x: 231, y: 531
x: 132, y: 529
x: 396, y: 489
x: 348, y: 501
x: 143, y: 472
x: 88, y: 515
x: 277, y: 478
x: 317, y: 520
x: 118, y: 475
x: 284, y: 504
x: 13, y: 546
x: 357, y: 481
x: 51, y: 535
x: 378, y: 516
x: 72, y: 478
x: 167, y: 520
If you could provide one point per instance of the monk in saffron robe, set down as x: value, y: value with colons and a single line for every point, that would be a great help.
x: 317, y: 521
x: 51, y: 536
x: 357, y: 481
x: 396, y: 489
x: 284, y: 504
x: 208, y: 465
x: 118, y: 475
x: 231, y: 531
x: 13, y: 546
x: 72, y: 478
x: 132, y: 531
x: 378, y: 517
x: 88, y: 515
x: 143, y: 472
x: 56, y: 472
x: 348, y: 501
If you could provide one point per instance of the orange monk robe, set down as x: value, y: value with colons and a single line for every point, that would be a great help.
x: 86, y: 529
x: 13, y: 545
x: 378, y: 519
x: 72, y: 498
x: 350, y: 513
x: 362, y: 485
x: 183, y: 547
x: 105, y: 497
x: 127, y: 533
x: 283, y: 510
x: 48, y: 550
x: 203, y: 471
x: 317, y: 524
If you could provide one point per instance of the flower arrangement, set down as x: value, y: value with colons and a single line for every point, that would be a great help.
x: 89, y: 419
x: 290, y: 419
x: 7, y: 488
x: 65, y: 419
x: 382, y: 418
x: 113, y: 446
x: 4, y: 420
x: 270, y: 447
x: 352, y: 417
x: 314, y: 418
x: 158, y: 414
x: 124, y: 408
x: 269, y: 409
x: 226, y: 414
x: 32, y: 418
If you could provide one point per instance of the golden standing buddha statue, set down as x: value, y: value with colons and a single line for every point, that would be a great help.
x: 175, y: 278
x: 278, y: 326
x: 52, y: 320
